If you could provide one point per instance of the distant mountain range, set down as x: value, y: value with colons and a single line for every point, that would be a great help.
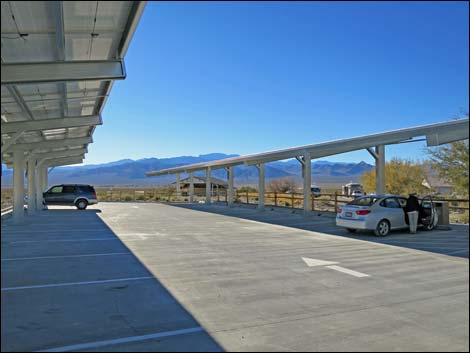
x: 128, y: 172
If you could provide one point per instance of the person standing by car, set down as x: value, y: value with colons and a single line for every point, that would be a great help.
x: 412, y: 210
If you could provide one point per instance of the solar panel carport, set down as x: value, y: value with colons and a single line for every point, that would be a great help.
x: 434, y: 134
x: 59, y: 60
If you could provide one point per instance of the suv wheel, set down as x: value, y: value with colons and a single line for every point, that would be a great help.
x: 383, y: 228
x: 81, y: 204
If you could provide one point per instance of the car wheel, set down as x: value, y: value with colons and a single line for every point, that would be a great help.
x: 81, y: 204
x: 383, y: 228
x: 429, y: 226
x: 351, y: 230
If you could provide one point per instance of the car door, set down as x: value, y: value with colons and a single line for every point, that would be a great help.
x: 53, y: 195
x: 68, y: 195
x: 394, y: 211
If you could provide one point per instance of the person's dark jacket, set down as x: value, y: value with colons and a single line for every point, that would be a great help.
x: 412, y: 204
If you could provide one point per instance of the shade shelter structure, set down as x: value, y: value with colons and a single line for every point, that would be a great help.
x: 59, y: 61
x: 434, y: 135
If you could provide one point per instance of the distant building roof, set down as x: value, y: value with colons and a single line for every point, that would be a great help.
x: 202, y: 180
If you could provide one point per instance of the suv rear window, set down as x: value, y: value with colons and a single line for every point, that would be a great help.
x: 364, y: 201
x: 68, y: 189
x: 86, y: 188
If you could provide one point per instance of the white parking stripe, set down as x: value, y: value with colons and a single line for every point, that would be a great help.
x: 64, y: 256
x: 59, y: 241
x: 98, y: 344
x: 457, y: 252
x: 8, y: 289
x: 348, y: 271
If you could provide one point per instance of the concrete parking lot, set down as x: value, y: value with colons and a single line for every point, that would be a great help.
x: 153, y: 277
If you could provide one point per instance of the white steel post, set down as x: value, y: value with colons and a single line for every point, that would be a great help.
x: 39, y: 184
x: 18, y: 186
x: 31, y: 185
x: 307, y: 176
x: 230, y: 198
x: 178, y: 185
x: 45, y: 179
x: 380, y: 170
x: 208, y: 185
x: 261, y: 183
x: 191, y: 187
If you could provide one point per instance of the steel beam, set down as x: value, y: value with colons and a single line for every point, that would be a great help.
x: 230, y: 194
x: 18, y: 186
x: 444, y: 137
x: 62, y: 71
x: 11, y: 141
x: 31, y: 185
x: 191, y: 187
x: 48, y: 124
x: 79, y: 152
x: 17, y: 97
x: 261, y: 186
x: 446, y: 132
x: 208, y: 186
x: 55, y: 154
x: 45, y: 178
x: 60, y: 45
x: 40, y: 171
x: 131, y: 26
x: 178, y: 185
x: 380, y: 170
x: 307, y: 182
x: 50, y: 144
x: 55, y: 162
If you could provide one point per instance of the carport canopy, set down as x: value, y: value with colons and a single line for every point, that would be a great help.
x: 58, y: 64
x: 434, y: 135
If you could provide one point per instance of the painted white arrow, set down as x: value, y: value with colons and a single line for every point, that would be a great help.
x: 315, y: 262
x: 332, y: 266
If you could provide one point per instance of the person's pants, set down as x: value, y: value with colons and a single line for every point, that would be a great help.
x: 413, y: 218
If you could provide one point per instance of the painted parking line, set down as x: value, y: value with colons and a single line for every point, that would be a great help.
x: 58, y: 240
x: 48, y: 231
x: 64, y: 256
x: 92, y: 345
x: 458, y: 252
x: 9, y: 289
x: 347, y: 271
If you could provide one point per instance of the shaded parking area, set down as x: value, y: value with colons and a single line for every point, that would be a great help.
x: 153, y: 277
x: 70, y: 284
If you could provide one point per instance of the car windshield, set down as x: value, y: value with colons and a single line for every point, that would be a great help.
x: 364, y: 201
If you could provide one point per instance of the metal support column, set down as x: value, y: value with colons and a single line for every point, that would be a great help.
x: 46, y: 178
x: 230, y: 198
x: 261, y: 184
x: 31, y: 185
x: 307, y: 178
x: 208, y: 186
x: 18, y: 186
x: 178, y: 186
x: 39, y: 184
x: 191, y: 187
x: 380, y: 170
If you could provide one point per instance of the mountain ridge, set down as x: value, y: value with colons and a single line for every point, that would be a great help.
x: 127, y: 172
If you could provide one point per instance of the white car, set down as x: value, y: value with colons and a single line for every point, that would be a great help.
x: 357, y: 193
x: 382, y: 213
x: 316, y: 191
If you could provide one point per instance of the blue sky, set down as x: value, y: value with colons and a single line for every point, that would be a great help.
x: 239, y: 77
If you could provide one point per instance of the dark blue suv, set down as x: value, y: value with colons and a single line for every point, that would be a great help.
x: 71, y: 195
